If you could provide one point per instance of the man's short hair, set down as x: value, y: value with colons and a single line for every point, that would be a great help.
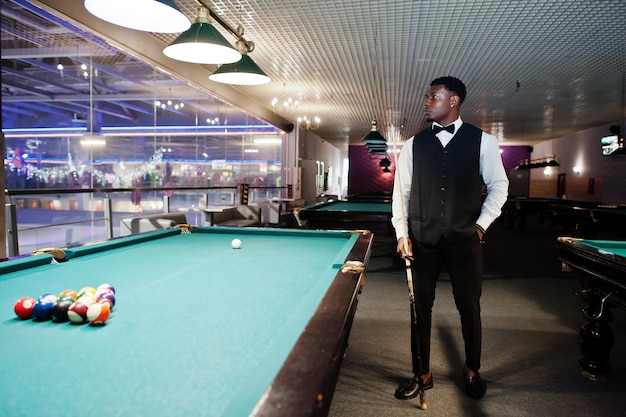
x: 452, y: 84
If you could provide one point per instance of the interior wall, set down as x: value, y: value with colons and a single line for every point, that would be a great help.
x: 365, y: 173
x: 597, y: 178
x: 313, y: 148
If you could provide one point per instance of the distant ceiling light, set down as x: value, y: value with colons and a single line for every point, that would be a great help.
x: 268, y: 141
x: 374, y: 139
x: 92, y: 141
x: 160, y: 16
x: 202, y: 44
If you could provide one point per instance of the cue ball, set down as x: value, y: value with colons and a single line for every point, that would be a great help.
x: 24, y: 307
x: 236, y: 243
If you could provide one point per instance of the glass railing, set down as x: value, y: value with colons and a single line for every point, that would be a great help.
x: 66, y: 217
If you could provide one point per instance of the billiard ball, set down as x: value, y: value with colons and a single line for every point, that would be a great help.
x: 98, y: 313
x: 106, y: 286
x: 77, y: 312
x: 107, y: 298
x: 86, y: 290
x: 68, y: 294
x: 87, y: 299
x: 236, y: 243
x: 49, y: 297
x: 42, y: 310
x: 24, y: 307
x: 60, y: 309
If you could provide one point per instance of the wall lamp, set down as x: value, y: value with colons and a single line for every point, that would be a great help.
x: 308, y: 123
x: 385, y: 163
x: 548, y: 161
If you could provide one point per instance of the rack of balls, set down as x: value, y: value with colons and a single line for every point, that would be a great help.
x: 91, y: 305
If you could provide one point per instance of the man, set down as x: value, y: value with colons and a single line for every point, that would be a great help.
x: 440, y: 221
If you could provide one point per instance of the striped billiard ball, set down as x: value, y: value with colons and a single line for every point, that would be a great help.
x: 98, y: 313
x: 77, y: 312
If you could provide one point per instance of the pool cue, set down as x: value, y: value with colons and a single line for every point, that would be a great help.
x: 420, y: 377
x: 409, y: 280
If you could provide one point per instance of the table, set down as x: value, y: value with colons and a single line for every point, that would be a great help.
x: 519, y: 208
x: 591, y: 221
x: 198, y: 329
x: 349, y: 215
x: 601, y: 265
x: 373, y: 196
x: 208, y: 211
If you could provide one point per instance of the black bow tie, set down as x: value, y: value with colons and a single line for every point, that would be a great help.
x: 449, y: 128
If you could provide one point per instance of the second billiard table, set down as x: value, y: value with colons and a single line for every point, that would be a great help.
x: 349, y: 215
x: 601, y: 267
x: 199, y: 328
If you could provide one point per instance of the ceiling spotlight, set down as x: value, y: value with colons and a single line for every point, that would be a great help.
x: 160, y: 16
x: 202, y: 44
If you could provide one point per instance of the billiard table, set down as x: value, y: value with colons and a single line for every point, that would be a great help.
x: 373, y: 196
x: 199, y: 328
x: 542, y: 208
x: 349, y: 215
x: 601, y: 267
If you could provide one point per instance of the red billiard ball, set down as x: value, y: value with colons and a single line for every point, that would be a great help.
x: 98, y: 313
x: 77, y: 312
x: 24, y: 307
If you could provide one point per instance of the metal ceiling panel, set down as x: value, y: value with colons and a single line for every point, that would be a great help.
x: 534, y: 69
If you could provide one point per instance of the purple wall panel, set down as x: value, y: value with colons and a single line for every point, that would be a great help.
x: 366, y: 175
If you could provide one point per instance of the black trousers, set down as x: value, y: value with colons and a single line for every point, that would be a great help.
x: 464, y: 263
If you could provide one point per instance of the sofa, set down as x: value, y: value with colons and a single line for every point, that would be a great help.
x: 239, y: 216
x: 142, y: 224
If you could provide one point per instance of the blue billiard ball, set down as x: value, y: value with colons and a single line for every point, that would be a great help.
x: 43, y: 309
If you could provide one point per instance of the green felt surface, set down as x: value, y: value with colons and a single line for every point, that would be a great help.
x: 360, y: 206
x: 610, y: 246
x: 199, y: 328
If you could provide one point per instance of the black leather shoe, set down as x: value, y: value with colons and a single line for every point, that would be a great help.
x: 410, y: 388
x: 474, y: 386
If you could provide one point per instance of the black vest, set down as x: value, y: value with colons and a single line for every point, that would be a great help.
x: 446, y: 191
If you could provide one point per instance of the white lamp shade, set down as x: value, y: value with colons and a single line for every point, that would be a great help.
x: 159, y: 16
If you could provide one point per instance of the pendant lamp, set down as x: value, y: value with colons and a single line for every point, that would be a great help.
x: 244, y: 72
x: 159, y: 16
x: 202, y: 44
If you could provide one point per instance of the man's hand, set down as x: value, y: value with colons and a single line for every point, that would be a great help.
x: 405, y: 248
x: 481, y: 234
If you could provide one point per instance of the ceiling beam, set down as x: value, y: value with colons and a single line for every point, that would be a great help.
x: 150, y: 49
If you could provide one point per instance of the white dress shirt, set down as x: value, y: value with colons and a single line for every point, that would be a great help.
x: 491, y: 170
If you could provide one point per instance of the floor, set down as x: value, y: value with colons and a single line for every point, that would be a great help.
x: 531, y: 316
